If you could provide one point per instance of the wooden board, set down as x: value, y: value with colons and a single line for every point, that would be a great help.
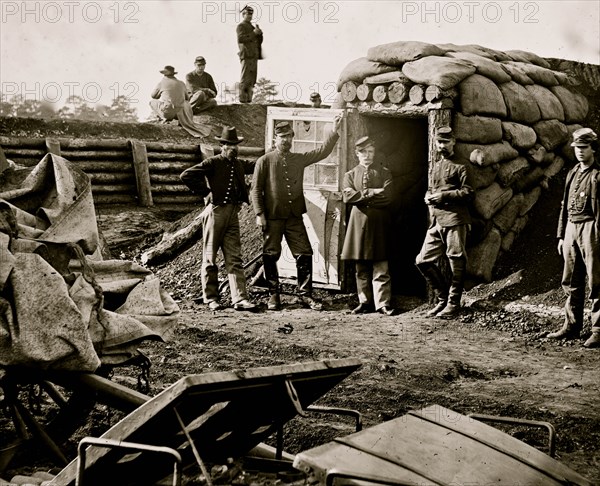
x: 436, y: 446
x: 226, y: 413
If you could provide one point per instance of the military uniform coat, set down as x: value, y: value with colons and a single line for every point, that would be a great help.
x: 369, y: 224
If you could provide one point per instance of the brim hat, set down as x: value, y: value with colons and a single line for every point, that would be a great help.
x: 229, y: 136
x: 584, y: 137
x: 168, y: 70
x: 283, y: 128
x: 363, y: 142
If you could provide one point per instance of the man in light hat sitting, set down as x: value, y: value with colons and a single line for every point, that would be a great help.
x: 225, y: 193
x: 278, y: 201
x: 201, y: 87
x: 367, y: 190
x: 170, y: 101
x: 249, y: 38
x: 579, y: 239
x: 447, y: 197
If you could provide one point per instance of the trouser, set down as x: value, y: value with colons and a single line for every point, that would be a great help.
x: 373, y: 283
x: 200, y: 101
x: 449, y: 241
x: 297, y: 239
x: 581, y: 253
x: 165, y: 111
x: 248, y: 79
x: 221, y: 229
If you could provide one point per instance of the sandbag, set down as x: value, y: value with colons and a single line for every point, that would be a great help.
x: 480, y: 177
x: 519, y: 136
x: 469, y: 49
x: 483, y: 256
x: 485, y: 154
x: 477, y: 129
x: 507, y: 216
x: 516, y: 73
x: 483, y: 65
x: 575, y: 105
x: 538, y: 74
x: 490, y: 200
x: 529, y: 200
x: 536, y: 154
x: 555, y: 167
x: 397, y: 53
x: 509, y: 171
x: 529, y: 57
x: 521, y: 107
x: 529, y: 180
x: 440, y: 71
x: 550, y: 107
x: 359, y: 69
x: 479, y: 95
x: 386, y: 78
x: 551, y: 133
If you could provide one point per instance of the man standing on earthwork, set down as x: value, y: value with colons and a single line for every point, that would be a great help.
x: 447, y: 198
x: 249, y: 40
x: 367, y: 190
x: 225, y: 193
x: 579, y: 239
x: 278, y: 202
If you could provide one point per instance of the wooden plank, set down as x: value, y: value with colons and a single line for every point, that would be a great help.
x: 22, y: 142
x: 164, y: 179
x: 161, y: 199
x: 170, y: 189
x: 174, y: 167
x: 89, y: 144
x: 104, y: 166
x: 101, y: 178
x: 113, y: 188
x: 407, y: 110
x: 96, y: 154
x: 173, y: 156
x: 11, y: 151
x: 142, y: 173
x: 109, y: 199
x: 53, y: 146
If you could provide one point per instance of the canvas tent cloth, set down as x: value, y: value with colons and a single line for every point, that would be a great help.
x: 61, y: 306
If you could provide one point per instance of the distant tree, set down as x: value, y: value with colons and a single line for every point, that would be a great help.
x: 7, y: 108
x: 121, y: 111
x: 265, y: 91
x: 33, y: 108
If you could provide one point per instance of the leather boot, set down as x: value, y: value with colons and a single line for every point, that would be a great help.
x: 436, y: 284
x: 458, y: 266
x: 567, y: 331
x: 593, y: 341
x: 272, y: 278
x: 304, y: 269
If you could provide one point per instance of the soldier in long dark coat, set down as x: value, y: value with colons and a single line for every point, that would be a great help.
x: 249, y: 38
x: 367, y: 188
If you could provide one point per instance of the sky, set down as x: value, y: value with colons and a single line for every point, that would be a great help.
x: 101, y: 49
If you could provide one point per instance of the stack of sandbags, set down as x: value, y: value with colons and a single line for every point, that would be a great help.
x: 513, y: 119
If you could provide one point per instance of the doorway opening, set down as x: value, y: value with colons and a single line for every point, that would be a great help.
x: 403, y: 147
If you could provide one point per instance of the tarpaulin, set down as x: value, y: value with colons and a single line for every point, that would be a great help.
x: 61, y: 306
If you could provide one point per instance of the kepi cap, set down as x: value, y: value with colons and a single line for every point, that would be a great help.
x: 583, y: 137
x: 200, y: 60
x: 444, y: 133
x: 168, y: 70
x: 363, y: 142
x: 229, y: 135
x: 283, y: 128
x: 314, y: 96
x: 247, y: 8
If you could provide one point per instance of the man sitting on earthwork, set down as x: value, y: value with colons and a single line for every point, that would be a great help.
x: 201, y: 87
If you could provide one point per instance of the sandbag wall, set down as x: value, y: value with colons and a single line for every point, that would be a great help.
x: 122, y: 171
x: 512, y: 115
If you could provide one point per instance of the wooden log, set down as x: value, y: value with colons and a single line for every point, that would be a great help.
x: 114, y: 189
x: 175, y: 167
x: 171, y: 147
x: 102, y: 178
x: 173, y: 156
x: 391, y: 109
x: 177, y: 199
x: 111, y: 199
x: 104, y: 166
x: 173, y: 243
x: 9, y: 142
x: 245, y: 152
x: 165, y: 178
x: 434, y: 93
x: 380, y: 94
x: 398, y: 92
x: 364, y: 92
x: 170, y: 189
x: 142, y: 172
x: 21, y: 152
x: 417, y: 94
x: 92, y: 144
x: 53, y: 146
x: 349, y: 91
x: 96, y: 154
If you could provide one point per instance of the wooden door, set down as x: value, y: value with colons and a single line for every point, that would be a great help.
x: 325, y: 216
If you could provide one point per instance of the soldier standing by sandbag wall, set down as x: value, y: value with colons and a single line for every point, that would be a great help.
x: 579, y: 239
x: 447, y: 198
